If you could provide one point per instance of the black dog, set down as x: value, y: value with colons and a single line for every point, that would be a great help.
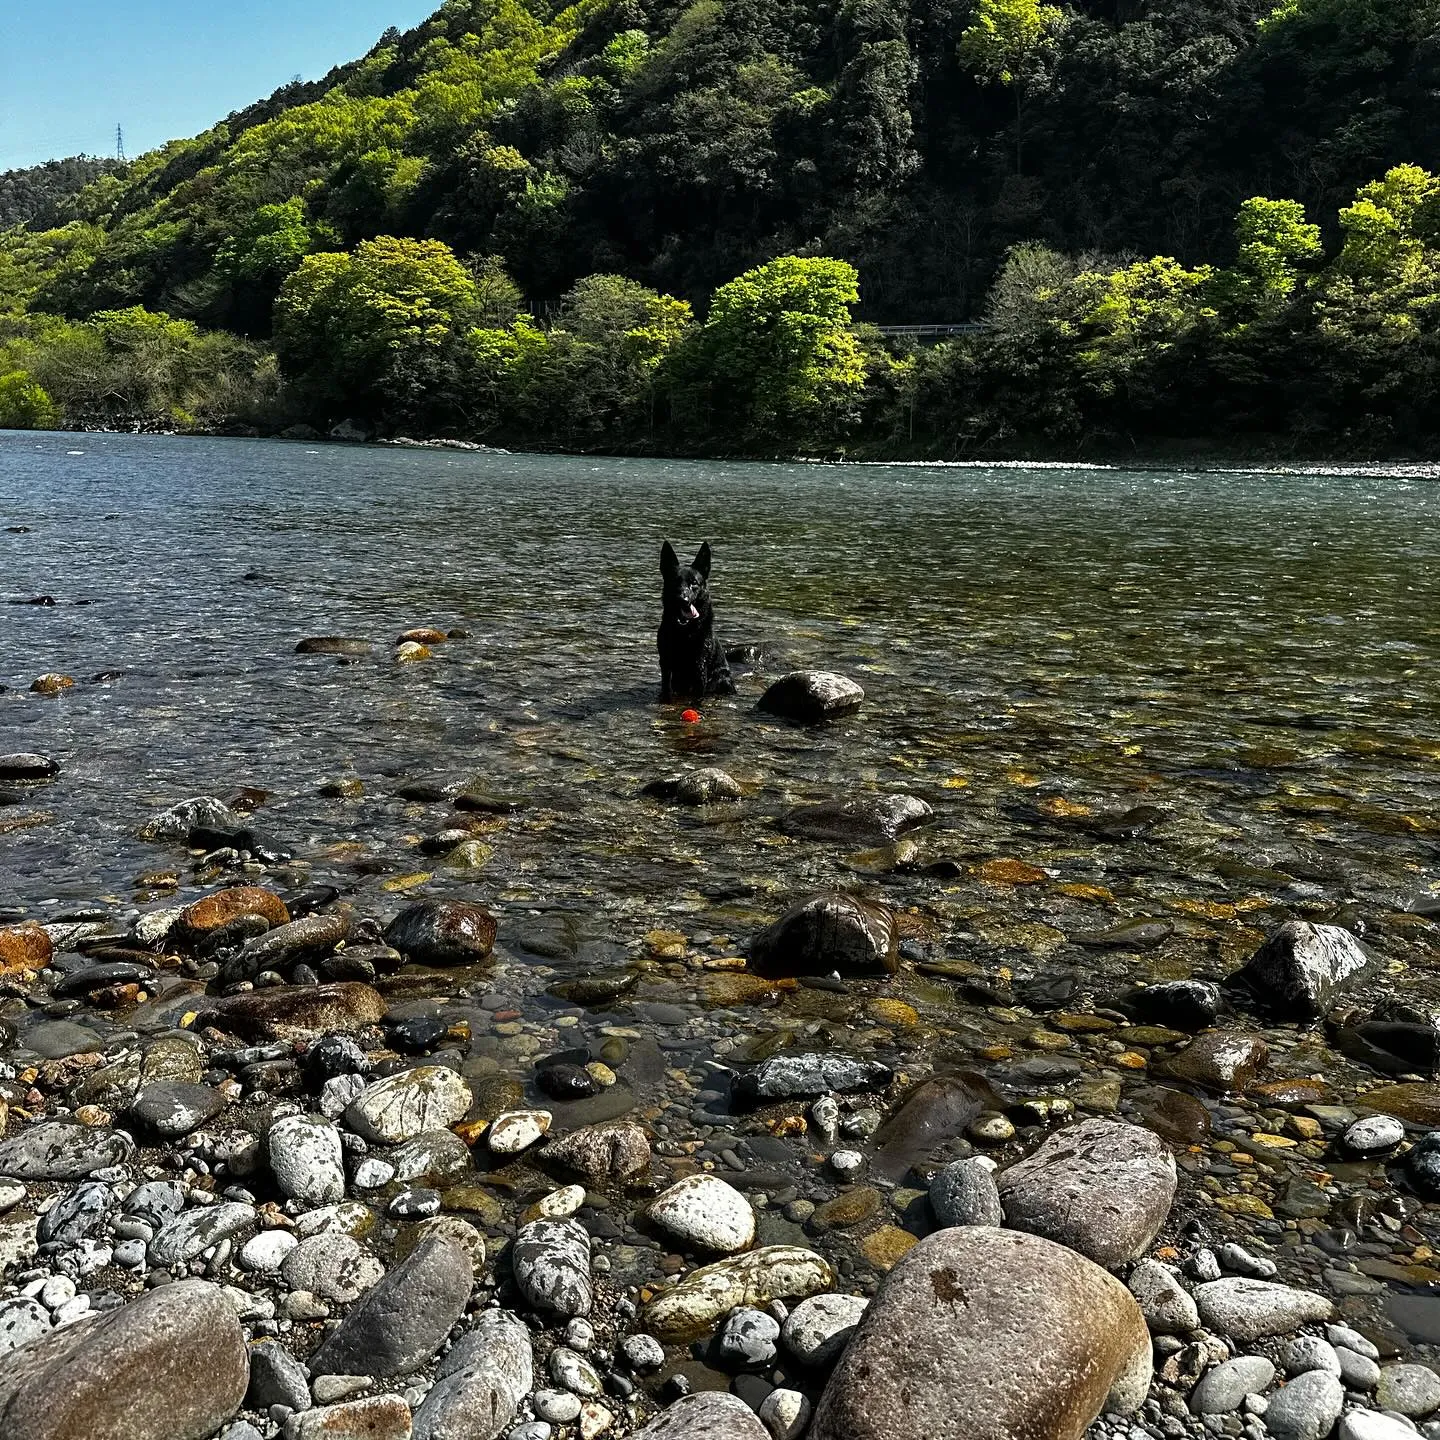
x: 692, y: 660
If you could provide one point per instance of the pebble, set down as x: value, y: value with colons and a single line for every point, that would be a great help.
x: 748, y: 1337
x: 307, y: 1160
x: 643, y: 1353
x: 1375, y: 1135
x: 847, y: 1163
x: 785, y: 1414
x: 559, y: 1407
x: 1222, y: 1388
x: 517, y: 1130
x: 574, y: 1372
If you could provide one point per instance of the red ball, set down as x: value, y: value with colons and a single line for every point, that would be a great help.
x: 690, y: 717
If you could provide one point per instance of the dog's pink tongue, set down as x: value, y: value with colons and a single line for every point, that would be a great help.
x: 694, y: 613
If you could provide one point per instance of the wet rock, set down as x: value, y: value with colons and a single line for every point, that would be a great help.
x: 1164, y: 1302
x: 1102, y: 1187
x: 296, y: 1012
x: 376, y: 1417
x: 517, y: 1130
x: 936, y: 1110
x: 757, y: 1278
x: 1302, y: 967
x: 707, y: 786
x: 818, y: 1329
x: 173, y: 1108
x: 24, y: 947
x: 564, y: 1081
x: 804, y: 1077
x: 1423, y: 1165
x: 200, y: 812
x: 1222, y: 1389
x: 551, y: 1261
x: 23, y: 765
x: 443, y: 932
x: 1248, y: 1310
x: 1417, y: 1102
x: 170, y: 1365
x: 866, y: 819
x: 1220, y: 1060
x: 333, y: 1266
x: 58, y: 1150
x: 705, y: 1213
x: 306, y: 939
x: 808, y: 697
x: 1173, y: 1115
x: 936, y: 1353
x: 399, y: 1107
x: 223, y: 908
x: 192, y: 1231
x: 332, y: 645
x: 828, y: 932
x: 1374, y: 1135
x: 307, y: 1159
x: 707, y: 1415
x: 602, y: 1153
x: 964, y: 1193
x: 480, y: 1383
x: 1410, y: 1390
x: 400, y: 1323
x: 1306, y: 1408
x: 1175, y: 1004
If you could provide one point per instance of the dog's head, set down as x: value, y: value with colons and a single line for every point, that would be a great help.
x: 686, y: 592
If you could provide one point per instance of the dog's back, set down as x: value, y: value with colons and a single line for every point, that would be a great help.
x: 692, y: 660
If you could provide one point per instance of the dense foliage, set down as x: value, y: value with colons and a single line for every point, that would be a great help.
x: 530, y: 222
x: 37, y: 194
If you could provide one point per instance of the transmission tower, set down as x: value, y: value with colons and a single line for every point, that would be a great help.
x: 119, y: 143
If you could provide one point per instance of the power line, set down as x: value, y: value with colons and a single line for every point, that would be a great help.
x: 119, y: 143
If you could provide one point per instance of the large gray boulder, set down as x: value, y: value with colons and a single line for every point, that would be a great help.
x: 1102, y: 1187
x: 170, y: 1365
x: 1300, y: 969
x: 708, y: 1415
x: 404, y: 1320
x: 480, y: 1383
x: 865, y: 819
x: 987, y: 1334
x: 59, y: 1150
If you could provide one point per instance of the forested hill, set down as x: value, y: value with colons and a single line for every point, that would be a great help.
x: 37, y: 195
x: 678, y: 143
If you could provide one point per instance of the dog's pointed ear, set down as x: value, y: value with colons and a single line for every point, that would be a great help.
x: 669, y: 561
x: 702, y: 560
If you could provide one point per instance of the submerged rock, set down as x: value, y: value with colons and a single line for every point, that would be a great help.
x: 332, y: 645
x: 1175, y: 1004
x: 1302, y: 967
x: 1220, y: 1060
x: 986, y: 1334
x: 1102, y: 1187
x: 937, y: 1109
x: 296, y: 1012
x: 828, y: 932
x: 24, y: 765
x: 809, y: 697
x: 443, y: 932
x: 707, y: 786
x: 170, y: 1365
x: 803, y: 1077
x: 866, y: 819
x: 199, y: 812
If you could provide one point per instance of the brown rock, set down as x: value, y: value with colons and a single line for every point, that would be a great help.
x: 884, y: 1248
x: 296, y: 1012
x: 170, y: 1365
x: 332, y: 645
x: 422, y: 635
x: 987, y: 1334
x: 1417, y: 1102
x: 24, y: 947
x: 602, y: 1153
x: 215, y: 911
x: 1175, y: 1116
x: 51, y: 684
x: 1219, y: 1060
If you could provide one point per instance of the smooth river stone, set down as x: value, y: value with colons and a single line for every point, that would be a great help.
x: 57, y: 1150
x: 703, y: 1211
x: 708, y: 1415
x: 987, y: 1334
x: 400, y: 1107
x: 443, y: 932
x: 307, y: 1159
x: 296, y: 1012
x: 808, y: 697
x: 480, y: 1383
x: 551, y: 1261
x: 936, y: 1110
x: 774, y: 1272
x: 1249, y: 1310
x: 1220, y: 1060
x: 1102, y: 1187
x: 828, y: 932
x: 170, y: 1365
x: 865, y: 819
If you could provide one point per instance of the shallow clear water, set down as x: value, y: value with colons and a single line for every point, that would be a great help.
x: 1025, y: 637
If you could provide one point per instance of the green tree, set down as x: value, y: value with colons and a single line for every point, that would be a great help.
x: 24, y: 405
x: 776, y: 356
x: 379, y: 332
x: 1005, y: 43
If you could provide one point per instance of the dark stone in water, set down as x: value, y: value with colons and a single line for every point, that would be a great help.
x: 828, y: 932
x: 596, y: 989
x: 937, y: 1109
x: 1423, y: 1165
x: 1174, y: 1116
x: 443, y: 932
x: 22, y: 765
x: 486, y: 802
x: 332, y: 645
x: 1047, y: 992
x: 416, y: 1035
x: 1175, y: 1004
x: 424, y: 792
x: 1123, y: 824
x: 1299, y: 970
x: 1132, y: 935
x: 566, y: 1082
x: 860, y: 819
x: 308, y: 938
x: 94, y: 977
x: 296, y: 1012
x: 808, y: 697
x: 1393, y: 1047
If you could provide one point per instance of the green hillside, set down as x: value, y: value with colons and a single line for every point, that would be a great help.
x: 677, y: 145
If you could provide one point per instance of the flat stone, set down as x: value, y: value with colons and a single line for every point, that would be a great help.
x: 517, y: 1130
x: 1248, y: 1310
x: 1374, y: 1135
x: 376, y: 1417
x: 182, y: 1342
x: 551, y: 1261
x: 58, y: 1150
x: 171, y: 1109
x: 864, y: 819
x: 936, y: 1352
x: 1102, y: 1187
x: 296, y: 1012
x: 192, y: 1231
x: 400, y: 1323
x: 25, y: 765
x: 1411, y: 1390
x: 333, y: 1266
x: 773, y: 1272
x: 399, y: 1107
x: 804, y: 1077
x: 276, y: 1378
x: 704, y: 1212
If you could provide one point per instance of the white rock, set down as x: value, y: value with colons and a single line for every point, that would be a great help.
x: 819, y: 1328
x: 1307, y: 1408
x: 559, y: 1204
x: 263, y: 1254
x: 1247, y: 1310
x: 400, y: 1107
x: 785, y: 1414
x: 307, y: 1160
x: 595, y: 1420
x: 847, y: 1162
x: 372, y: 1172
x: 1164, y: 1302
x: 1371, y: 1425
x: 703, y: 1211
x: 57, y: 1291
x: 517, y: 1130
x: 559, y: 1407
x: 338, y: 1093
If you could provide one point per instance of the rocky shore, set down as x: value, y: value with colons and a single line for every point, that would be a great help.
x: 280, y: 1157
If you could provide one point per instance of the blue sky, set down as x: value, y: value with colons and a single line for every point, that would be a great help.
x: 70, y: 70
